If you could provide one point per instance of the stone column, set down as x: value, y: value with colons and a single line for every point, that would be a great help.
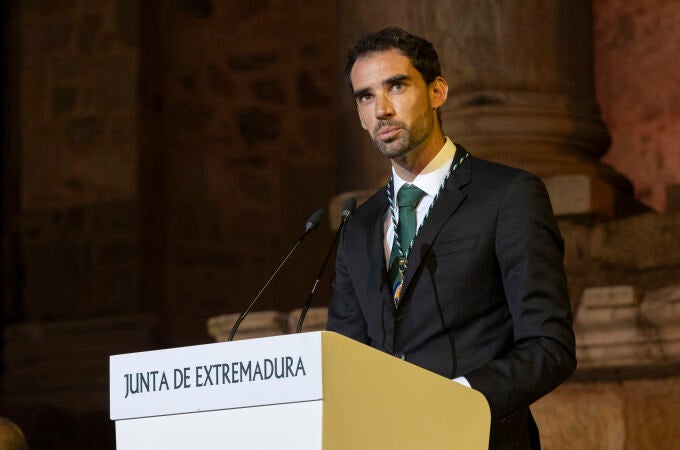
x: 70, y: 225
x: 521, y: 91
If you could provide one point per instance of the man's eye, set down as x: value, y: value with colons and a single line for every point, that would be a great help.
x: 397, y: 87
x: 364, y: 98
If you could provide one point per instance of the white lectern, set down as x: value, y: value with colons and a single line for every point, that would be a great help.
x: 307, y: 391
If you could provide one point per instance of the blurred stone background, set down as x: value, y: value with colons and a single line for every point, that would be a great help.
x: 160, y: 157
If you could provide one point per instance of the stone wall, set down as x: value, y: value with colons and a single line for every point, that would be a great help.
x: 611, y: 415
x: 72, y: 226
x: 641, y: 250
x: 241, y: 154
x: 78, y: 103
x: 637, y: 74
x: 168, y: 154
x: 249, y: 152
x: 78, y: 161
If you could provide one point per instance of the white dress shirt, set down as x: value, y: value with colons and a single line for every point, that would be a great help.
x: 428, y: 180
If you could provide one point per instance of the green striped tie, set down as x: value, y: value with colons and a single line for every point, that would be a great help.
x: 407, y: 199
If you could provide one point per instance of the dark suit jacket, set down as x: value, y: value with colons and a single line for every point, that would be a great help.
x: 485, y: 294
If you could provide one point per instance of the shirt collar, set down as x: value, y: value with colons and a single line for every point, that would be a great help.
x: 431, y: 177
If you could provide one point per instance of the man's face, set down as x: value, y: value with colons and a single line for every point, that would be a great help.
x: 394, y: 103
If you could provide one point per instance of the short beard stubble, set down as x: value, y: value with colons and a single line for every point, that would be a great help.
x: 408, y: 139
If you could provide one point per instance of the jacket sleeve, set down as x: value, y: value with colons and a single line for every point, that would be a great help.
x: 529, y: 250
x: 344, y: 313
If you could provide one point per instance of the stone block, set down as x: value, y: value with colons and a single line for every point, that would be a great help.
x: 315, y: 319
x: 582, y: 417
x: 580, y: 194
x: 609, y: 332
x: 651, y: 414
x: 608, y: 296
x: 613, y: 329
x: 608, y: 307
x: 661, y: 310
x: 618, y: 355
x: 576, y: 242
x: 256, y: 324
x: 641, y: 242
x: 662, y: 306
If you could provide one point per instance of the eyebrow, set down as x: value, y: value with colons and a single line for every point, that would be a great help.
x: 387, y: 82
x: 395, y: 79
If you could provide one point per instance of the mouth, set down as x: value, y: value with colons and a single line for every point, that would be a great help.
x: 388, y: 133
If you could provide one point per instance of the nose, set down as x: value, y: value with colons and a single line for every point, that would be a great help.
x: 383, y: 107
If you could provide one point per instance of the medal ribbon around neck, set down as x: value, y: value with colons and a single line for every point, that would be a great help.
x: 403, y: 256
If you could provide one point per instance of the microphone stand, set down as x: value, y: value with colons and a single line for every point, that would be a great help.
x: 347, y: 210
x: 312, y: 222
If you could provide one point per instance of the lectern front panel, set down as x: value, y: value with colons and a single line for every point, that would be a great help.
x: 291, y: 426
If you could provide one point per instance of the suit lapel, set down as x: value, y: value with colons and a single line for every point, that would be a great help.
x: 377, y: 278
x: 449, y: 200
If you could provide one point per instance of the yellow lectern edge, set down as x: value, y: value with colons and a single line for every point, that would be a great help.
x: 375, y: 401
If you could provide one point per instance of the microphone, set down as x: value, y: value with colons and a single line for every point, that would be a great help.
x: 347, y: 210
x: 312, y: 223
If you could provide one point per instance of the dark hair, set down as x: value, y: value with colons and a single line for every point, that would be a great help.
x: 419, y: 51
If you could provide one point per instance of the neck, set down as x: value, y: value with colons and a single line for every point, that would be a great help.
x: 411, y: 164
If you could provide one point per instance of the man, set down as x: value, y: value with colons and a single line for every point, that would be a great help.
x: 478, y: 293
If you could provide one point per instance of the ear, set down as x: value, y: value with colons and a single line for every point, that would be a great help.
x: 439, y: 91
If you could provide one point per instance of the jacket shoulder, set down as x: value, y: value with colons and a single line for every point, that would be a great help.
x: 501, y: 171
